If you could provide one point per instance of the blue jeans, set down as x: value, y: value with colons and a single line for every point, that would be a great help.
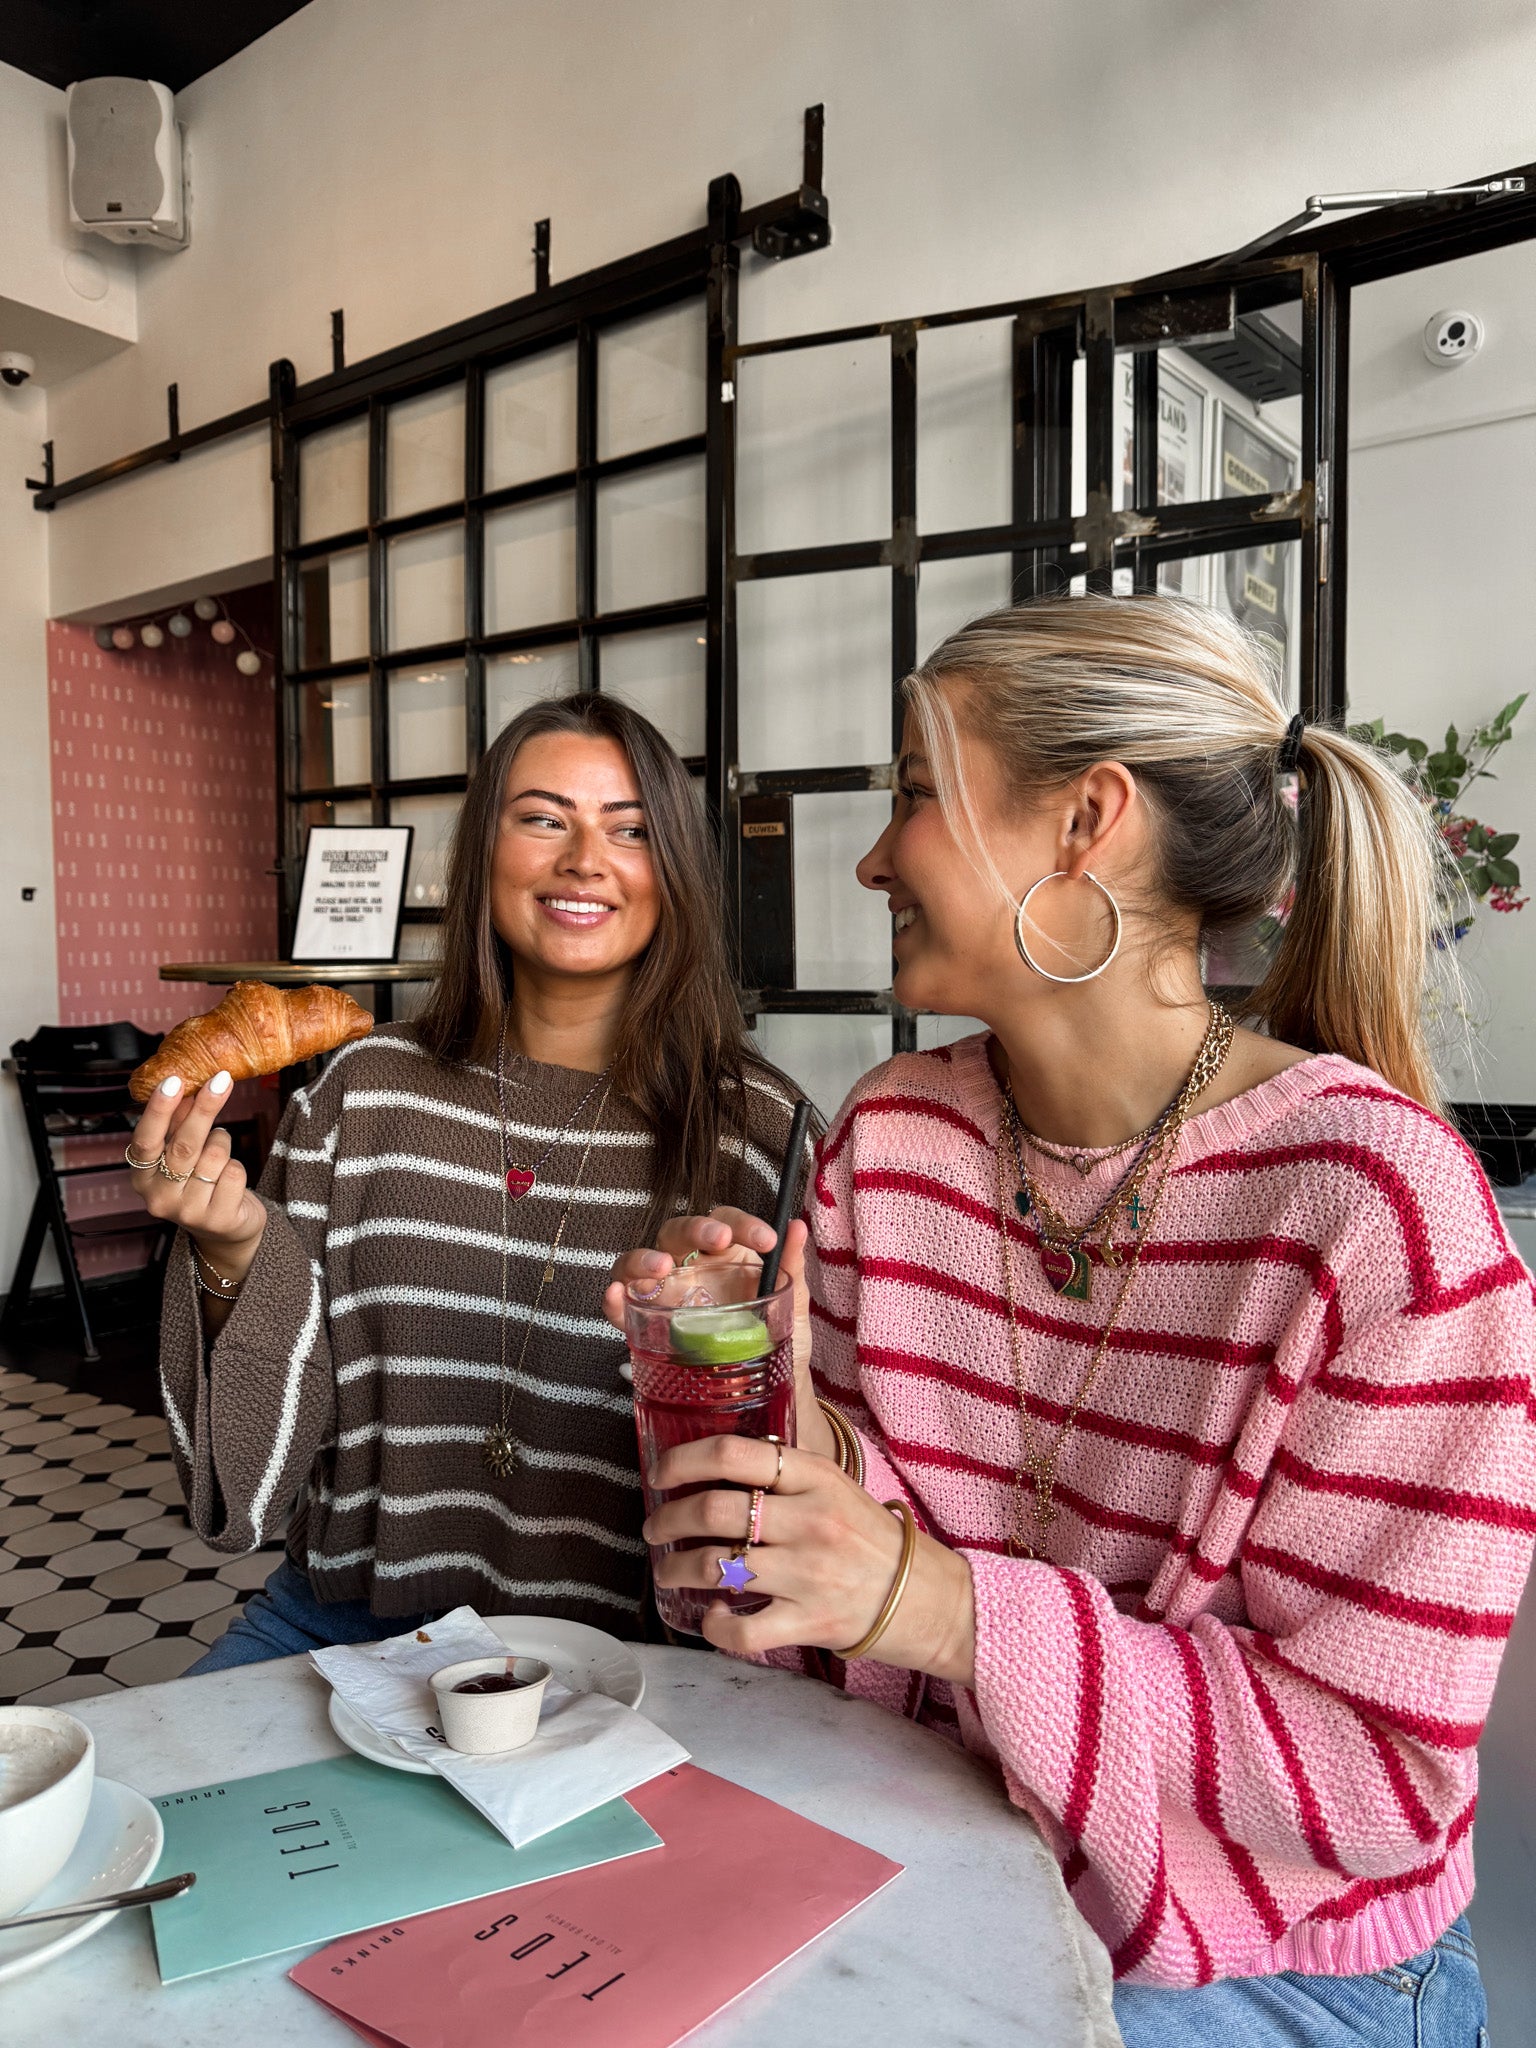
x: 284, y: 1619
x: 1434, y: 2000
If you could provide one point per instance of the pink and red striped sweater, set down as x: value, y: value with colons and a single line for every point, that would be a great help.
x: 1242, y: 1696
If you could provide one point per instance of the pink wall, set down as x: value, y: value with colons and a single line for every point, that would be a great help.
x: 163, y: 827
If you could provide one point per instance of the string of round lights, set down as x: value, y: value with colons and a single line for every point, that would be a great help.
x: 209, y: 611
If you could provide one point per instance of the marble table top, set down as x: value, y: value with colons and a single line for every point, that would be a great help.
x: 976, y: 1943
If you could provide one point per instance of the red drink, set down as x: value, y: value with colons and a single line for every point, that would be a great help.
x: 683, y: 1393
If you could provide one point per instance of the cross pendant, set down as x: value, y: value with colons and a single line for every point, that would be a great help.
x: 1135, y: 1208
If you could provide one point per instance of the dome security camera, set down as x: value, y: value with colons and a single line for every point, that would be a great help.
x: 15, y: 368
x: 1453, y: 337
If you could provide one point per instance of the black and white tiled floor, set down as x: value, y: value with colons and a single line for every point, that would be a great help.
x: 102, y: 1583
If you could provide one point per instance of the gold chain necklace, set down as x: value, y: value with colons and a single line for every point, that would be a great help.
x: 500, y: 1444
x: 1038, y: 1464
x: 1063, y: 1255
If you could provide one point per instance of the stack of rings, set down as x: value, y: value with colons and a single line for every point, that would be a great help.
x: 158, y: 1165
x: 734, y: 1574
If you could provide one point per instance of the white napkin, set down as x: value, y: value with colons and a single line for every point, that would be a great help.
x: 588, y: 1750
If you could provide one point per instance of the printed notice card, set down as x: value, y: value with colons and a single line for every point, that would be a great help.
x: 354, y: 883
x: 297, y: 1857
x: 633, y: 1956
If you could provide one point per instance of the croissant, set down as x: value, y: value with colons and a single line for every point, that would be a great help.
x: 255, y: 1030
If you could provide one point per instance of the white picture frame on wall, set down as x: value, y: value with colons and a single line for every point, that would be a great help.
x: 352, y: 893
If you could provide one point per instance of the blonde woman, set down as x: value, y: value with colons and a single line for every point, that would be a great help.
x: 1175, y: 1441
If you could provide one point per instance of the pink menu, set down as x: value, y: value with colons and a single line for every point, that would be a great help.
x: 620, y: 1956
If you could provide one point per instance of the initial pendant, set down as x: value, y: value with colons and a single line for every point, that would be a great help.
x: 500, y: 1452
x: 520, y: 1180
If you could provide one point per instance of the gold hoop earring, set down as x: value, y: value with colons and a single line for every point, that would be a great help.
x: 1044, y: 972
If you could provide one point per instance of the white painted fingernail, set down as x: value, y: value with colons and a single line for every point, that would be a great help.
x: 171, y: 1085
x: 219, y: 1084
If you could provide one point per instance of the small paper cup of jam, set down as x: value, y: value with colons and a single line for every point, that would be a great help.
x: 489, y: 1704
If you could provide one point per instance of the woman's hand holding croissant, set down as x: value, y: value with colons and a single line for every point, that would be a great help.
x: 199, y: 1185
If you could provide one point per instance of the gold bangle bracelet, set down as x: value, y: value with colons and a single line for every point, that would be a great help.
x: 887, y: 1613
x: 850, y: 1452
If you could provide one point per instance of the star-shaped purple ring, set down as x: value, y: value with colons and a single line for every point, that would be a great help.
x: 734, y: 1576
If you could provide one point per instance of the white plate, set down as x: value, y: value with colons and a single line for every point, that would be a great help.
x: 585, y: 1659
x: 118, y: 1848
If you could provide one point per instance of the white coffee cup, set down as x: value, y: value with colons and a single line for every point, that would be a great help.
x: 481, y: 1723
x: 47, y: 1769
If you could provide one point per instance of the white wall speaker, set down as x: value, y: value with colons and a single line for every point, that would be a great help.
x: 126, y: 178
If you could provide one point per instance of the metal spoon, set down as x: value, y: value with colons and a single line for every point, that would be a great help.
x: 109, y: 1902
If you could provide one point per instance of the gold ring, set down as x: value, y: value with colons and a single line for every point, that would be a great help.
x: 754, y: 1520
x: 209, y: 1179
x: 141, y: 1165
x: 778, y: 1445
x: 170, y: 1173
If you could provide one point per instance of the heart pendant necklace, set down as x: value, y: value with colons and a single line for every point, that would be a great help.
x: 499, y: 1445
x: 522, y: 1180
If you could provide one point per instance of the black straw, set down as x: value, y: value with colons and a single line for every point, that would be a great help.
x: 788, y: 1179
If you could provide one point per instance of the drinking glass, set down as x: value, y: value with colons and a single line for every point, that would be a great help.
x: 710, y: 1359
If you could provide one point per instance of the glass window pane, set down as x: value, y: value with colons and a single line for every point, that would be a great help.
x: 333, y: 480
x: 813, y: 457
x: 352, y: 810
x: 426, y: 586
x: 661, y: 674
x: 530, y: 418
x: 1183, y: 430
x: 1257, y: 586
x: 334, y: 732
x: 950, y: 594
x: 650, y: 536
x: 965, y: 426
x: 333, y: 609
x: 433, y: 818
x: 514, y: 681
x: 814, y: 669
x: 424, y: 451
x: 426, y: 721
x: 842, y: 930
x: 650, y: 380
x: 530, y: 565
x: 826, y: 1055
x: 417, y: 942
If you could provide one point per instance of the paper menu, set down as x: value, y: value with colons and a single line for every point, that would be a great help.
x: 621, y: 1957
x: 292, y: 1858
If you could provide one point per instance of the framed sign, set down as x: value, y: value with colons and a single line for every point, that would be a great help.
x: 1254, y: 582
x: 354, y: 883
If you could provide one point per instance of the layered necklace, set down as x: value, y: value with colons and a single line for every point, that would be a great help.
x: 500, y: 1447
x: 1034, y: 1480
x: 1063, y: 1245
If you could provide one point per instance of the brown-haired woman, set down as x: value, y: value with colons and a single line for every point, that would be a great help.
x: 403, y: 1326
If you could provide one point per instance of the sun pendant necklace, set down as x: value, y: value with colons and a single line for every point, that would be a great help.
x: 500, y: 1446
x: 521, y: 1180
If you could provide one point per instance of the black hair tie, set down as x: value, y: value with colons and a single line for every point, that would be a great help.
x: 1289, y: 758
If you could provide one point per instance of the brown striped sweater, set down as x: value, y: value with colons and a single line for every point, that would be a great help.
x: 349, y: 1394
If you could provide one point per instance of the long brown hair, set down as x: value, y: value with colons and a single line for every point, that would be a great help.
x: 1188, y: 701
x: 682, y: 1053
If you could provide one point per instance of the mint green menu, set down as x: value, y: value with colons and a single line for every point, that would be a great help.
x: 294, y: 1858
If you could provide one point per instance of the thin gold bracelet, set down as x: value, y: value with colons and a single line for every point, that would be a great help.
x: 850, y: 1452
x: 887, y: 1613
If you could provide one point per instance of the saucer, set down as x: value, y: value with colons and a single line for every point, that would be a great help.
x: 582, y: 1659
x: 118, y: 1847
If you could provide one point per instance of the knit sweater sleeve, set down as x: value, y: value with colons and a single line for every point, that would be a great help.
x: 248, y: 1414
x: 1326, y: 1744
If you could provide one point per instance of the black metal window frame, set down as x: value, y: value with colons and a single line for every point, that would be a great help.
x: 1047, y: 544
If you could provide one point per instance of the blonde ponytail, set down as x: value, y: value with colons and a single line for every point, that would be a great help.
x: 1351, y: 969
x: 1187, y: 701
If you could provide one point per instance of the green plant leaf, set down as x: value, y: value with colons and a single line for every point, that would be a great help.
x: 1502, y: 842
x: 1477, y: 879
x: 1417, y: 750
x: 1506, y: 872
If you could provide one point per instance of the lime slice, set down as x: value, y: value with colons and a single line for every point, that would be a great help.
x: 721, y: 1336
